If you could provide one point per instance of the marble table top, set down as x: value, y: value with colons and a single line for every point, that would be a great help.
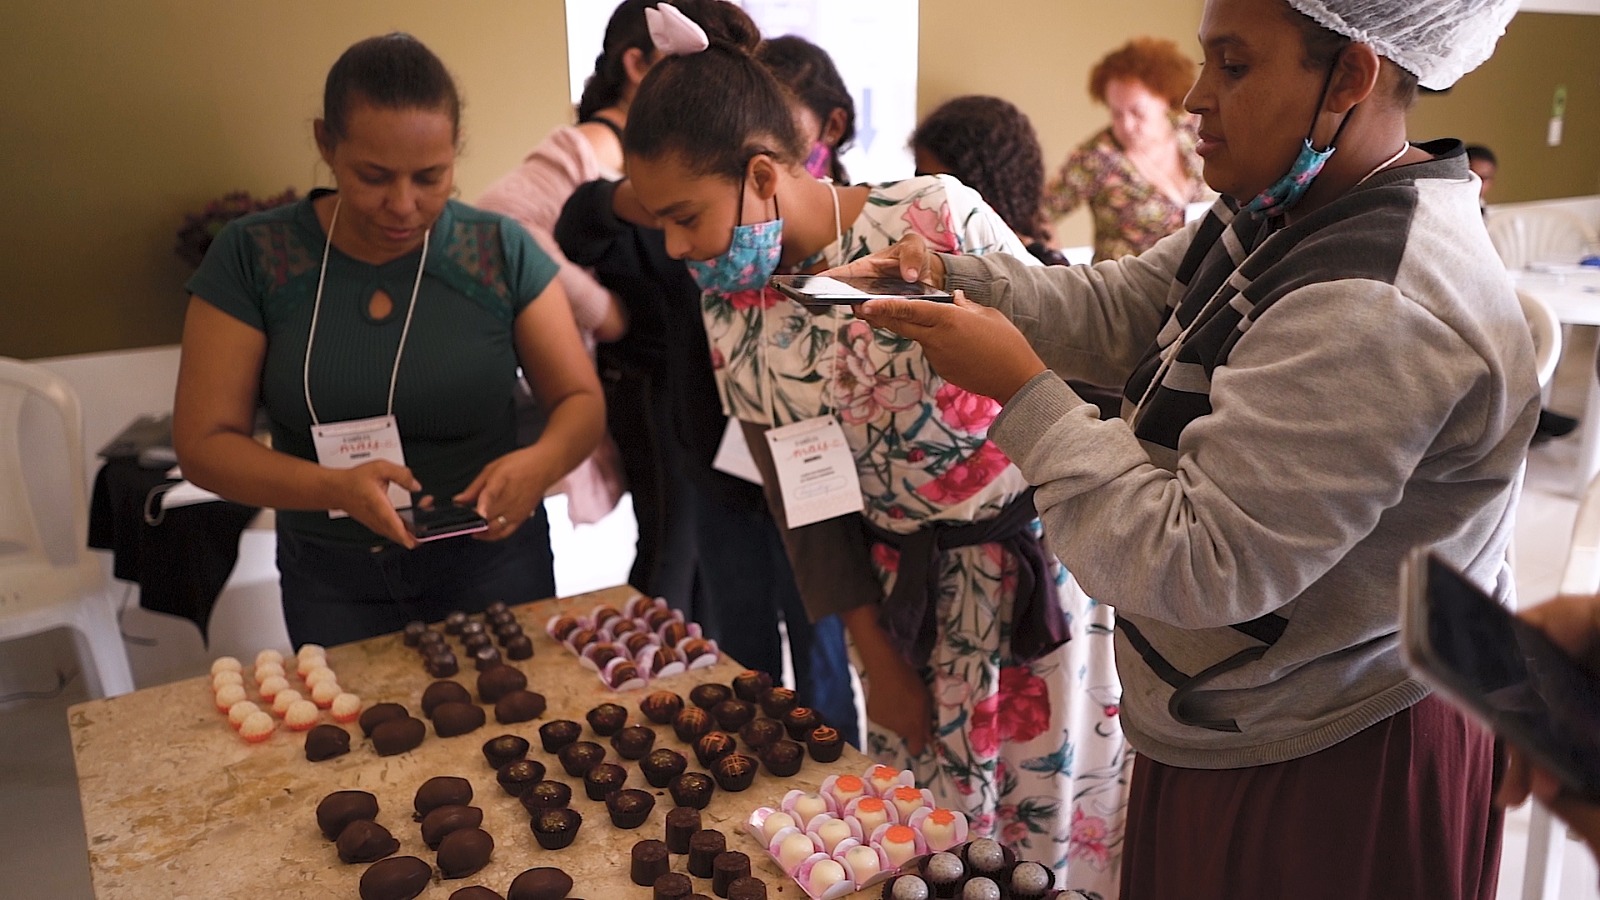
x: 176, y: 805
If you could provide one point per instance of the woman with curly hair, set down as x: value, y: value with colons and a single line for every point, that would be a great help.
x: 1138, y: 174
x: 991, y: 147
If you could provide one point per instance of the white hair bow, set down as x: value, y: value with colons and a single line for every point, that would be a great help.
x: 674, y: 33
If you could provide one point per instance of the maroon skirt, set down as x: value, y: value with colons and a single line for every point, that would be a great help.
x: 1402, y: 809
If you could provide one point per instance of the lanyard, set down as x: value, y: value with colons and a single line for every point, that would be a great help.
x: 766, y: 365
x: 316, y: 309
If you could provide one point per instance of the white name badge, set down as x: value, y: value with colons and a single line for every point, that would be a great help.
x: 345, y: 445
x: 816, y: 472
x: 733, y: 455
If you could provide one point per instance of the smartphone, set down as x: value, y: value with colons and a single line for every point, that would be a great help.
x: 1502, y: 671
x: 442, y: 521
x: 829, y: 290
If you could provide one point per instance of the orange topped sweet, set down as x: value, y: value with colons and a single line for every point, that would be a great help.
x: 899, y: 844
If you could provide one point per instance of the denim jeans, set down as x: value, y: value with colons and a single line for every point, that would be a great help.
x: 334, y: 594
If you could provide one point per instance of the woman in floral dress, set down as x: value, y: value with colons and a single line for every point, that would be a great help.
x: 971, y: 690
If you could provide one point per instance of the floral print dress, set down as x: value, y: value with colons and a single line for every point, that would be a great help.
x: 1033, y: 753
x: 1130, y: 214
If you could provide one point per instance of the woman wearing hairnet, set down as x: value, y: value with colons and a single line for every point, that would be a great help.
x: 1327, y: 370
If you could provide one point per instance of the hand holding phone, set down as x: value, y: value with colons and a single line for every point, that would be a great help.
x: 437, y: 522
x: 847, y: 290
x: 1504, y: 672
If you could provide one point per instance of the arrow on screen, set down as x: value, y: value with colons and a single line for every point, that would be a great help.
x: 864, y: 130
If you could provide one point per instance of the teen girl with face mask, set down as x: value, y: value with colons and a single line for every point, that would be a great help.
x: 959, y: 638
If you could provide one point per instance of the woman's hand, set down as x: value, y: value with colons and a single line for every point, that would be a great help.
x: 507, y: 491
x: 971, y: 346
x: 897, y: 697
x: 363, y: 493
x: 909, y: 260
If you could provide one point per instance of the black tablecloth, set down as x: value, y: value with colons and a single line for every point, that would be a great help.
x: 179, y: 564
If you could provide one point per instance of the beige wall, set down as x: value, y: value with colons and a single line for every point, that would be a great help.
x: 1506, y: 105
x: 121, y: 117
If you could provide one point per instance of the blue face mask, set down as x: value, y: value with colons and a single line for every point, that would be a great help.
x: 1283, y: 194
x: 751, y: 258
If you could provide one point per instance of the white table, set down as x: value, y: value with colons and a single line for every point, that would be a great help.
x: 1574, y: 293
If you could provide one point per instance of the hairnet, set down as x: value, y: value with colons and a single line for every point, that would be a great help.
x: 1436, y: 40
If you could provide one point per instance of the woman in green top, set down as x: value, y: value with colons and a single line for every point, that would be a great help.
x: 384, y: 309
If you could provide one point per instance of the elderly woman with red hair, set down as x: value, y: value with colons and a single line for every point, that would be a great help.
x: 1139, y: 173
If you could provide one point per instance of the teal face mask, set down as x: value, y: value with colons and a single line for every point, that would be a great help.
x: 1284, y: 193
x: 751, y: 258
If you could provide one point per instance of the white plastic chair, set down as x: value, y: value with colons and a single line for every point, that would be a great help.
x: 1526, y: 236
x: 1546, y: 329
x: 49, y: 580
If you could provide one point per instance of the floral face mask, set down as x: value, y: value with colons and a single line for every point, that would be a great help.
x: 819, y: 163
x: 751, y: 258
x: 1283, y: 194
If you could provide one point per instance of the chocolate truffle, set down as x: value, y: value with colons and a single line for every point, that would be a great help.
x: 691, y: 723
x: 503, y: 749
x: 801, y: 721
x: 1030, y: 879
x: 580, y: 638
x: 783, y: 758
x: 555, y: 829
x: 519, y: 706
x: 451, y: 719
x: 663, y: 657
x: 657, y: 616
x: 732, y: 715
x: 943, y: 871
x: 518, y: 647
x: 673, y: 633
x: 747, y: 888
x: 601, y: 653
x: 546, y: 795
x: 476, y: 892
x: 443, y: 692
x: 986, y: 856
x: 429, y: 641
x: 454, y: 622
x: 728, y: 867
x: 543, y: 883
x: 365, y: 841
x: 397, y: 878
x: 662, y: 765
x: 496, y: 609
x: 980, y: 888
x: 704, y: 845
x: 463, y: 852
x: 485, y: 658
x: 578, y: 758
x: 607, y: 719
x: 825, y: 744
x: 682, y: 823
x: 441, y: 790
x: 713, y: 746
x: 561, y: 626
x: 777, y: 702
x: 761, y: 732
x: 620, y: 674
x: 603, y: 614
x: 692, y: 789
x: 555, y: 735
x: 707, y: 696
x: 672, y: 886
x: 340, y: 808
x: 471, y: 627
x: 379, y: 713
x: 622, y: 627
x: 499, y: 681
x: 326, y: 742
x: 660, y: 706
x: 694, y: 648
x: 604, y: 780
x: 519, y: 776
x: 412, y: 635
x: 907, y: 887
x: 505, y: 628
x: 472, y: 643
x: 649, y: 862
x: 398, y: 735
x: 751, y: 685
x: 634, y: 741
x: 629, y: 807
x: 441, y: 665
x: 734, y: 772
x: 441, y: 822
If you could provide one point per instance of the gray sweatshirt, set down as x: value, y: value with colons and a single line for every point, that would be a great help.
x: 1303, y: 406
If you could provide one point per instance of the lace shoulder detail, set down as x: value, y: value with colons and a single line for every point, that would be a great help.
x: 476, y: 246
x: 281, y: 256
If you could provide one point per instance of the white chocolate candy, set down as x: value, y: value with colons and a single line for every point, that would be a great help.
x: 863, y: 861
x: 323, y: 693
x: 883, y: 779
x: 267, y: 656
x: 301, y: 715
x: 282, y: 700
x: 846, y: 788
x: 808, y: 806
x: 226, y: 676
x: 268, y: 670
x: 794, y: 849
x: 308, y: 651
x: 775, y: 823
x: 871, y: 812
x: 346, y: 708
x: 831, y: 832
x: 899, y: 844
x: 906, y: 800
x: 240, y: 711
x: 270, y: 688
x: 228, y: 695
x: 225, y: 664
x: 258, y: 727
x: 317, y: 675
x: 825, y: 874
x: 311, y: 664
x: 939, y: 829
